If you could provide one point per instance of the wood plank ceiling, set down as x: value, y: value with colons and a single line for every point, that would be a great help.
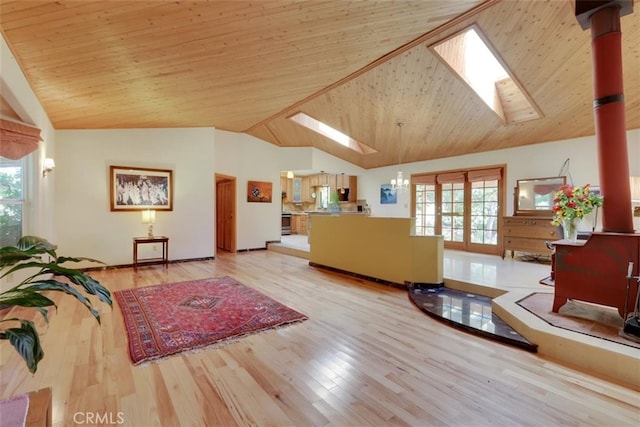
x: 359, y: 66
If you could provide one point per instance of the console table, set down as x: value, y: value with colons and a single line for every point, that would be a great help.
x: 527, y: 234
x: 150, y: 240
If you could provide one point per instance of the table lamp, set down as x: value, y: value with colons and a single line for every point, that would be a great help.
x: 149, y: 217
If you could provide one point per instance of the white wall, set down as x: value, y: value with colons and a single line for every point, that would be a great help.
x: 250, y: 159
x: 532, y: 161
x: 326, y: 162
x: 300, y: 158
x: 87, y: 227
x: 85, y: 224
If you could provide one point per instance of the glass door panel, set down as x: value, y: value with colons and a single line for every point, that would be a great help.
x: 484, y: 212
x: 452, y: 208
x: 425, y: 210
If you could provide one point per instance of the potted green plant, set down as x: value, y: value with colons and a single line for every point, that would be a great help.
x: 44, y: 268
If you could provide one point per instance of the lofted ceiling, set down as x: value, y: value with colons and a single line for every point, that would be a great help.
x: 359, y: 66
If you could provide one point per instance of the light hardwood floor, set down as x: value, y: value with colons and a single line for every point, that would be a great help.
x: 366, y: 356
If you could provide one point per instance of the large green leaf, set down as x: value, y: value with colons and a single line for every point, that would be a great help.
x: 26, y: 265
x: 93, y: 287
x: 63, y: 259
x: 36, y: 245
x: 26, y: 248
x: 90, y: 285
x: 10, y: 255
x: 25, y: 298
x: 31, y: 253
x: 54, y: 285
x: 26, y: 342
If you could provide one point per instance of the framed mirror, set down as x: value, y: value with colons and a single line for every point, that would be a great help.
x: 534, y: 197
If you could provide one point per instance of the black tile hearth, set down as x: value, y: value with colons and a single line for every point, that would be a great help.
x: 469, y: 312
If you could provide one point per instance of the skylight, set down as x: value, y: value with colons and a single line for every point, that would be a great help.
x: 331, y: 133
x: 472, y: 59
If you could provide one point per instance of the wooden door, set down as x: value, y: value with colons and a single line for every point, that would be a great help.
x: 225, y: 213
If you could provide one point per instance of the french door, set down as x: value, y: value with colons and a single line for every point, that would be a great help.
x: 463, y: 206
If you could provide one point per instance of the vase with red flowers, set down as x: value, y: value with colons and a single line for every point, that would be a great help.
x: 571, y: 204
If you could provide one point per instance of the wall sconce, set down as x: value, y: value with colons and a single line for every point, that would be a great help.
x: 290, y: 174
x: 48, y: 166
x: 149, y: 217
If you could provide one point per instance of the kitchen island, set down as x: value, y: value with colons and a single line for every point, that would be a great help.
x: 377, y: 248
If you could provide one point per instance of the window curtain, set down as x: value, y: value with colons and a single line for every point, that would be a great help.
x: 485, y: 175
x: 452, y: 177
x: 471, y: 176
x: 18, y: 140
x: 423, y: 179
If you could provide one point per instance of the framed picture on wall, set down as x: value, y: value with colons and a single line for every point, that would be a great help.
x: 259, y: 192
x: 388, y: 195
x: 133, y: 189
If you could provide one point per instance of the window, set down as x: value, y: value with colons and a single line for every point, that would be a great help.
x: 462, y: 206
x: 453, y: 211
x: 331, y: 133
x: 11, y: 200
x: 471, y: 57
x: 484, y: 212
x: 425, y: 209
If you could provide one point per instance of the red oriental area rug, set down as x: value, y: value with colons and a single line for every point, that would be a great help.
x: 166, y: 319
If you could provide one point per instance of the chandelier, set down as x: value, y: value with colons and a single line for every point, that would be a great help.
x: 399, y: 183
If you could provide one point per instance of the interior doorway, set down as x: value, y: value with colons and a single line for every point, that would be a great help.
x: 225, y: 213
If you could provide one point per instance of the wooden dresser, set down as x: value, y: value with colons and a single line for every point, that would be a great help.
x: 527, y: 234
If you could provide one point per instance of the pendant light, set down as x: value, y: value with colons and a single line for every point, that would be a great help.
x: 399, y: 183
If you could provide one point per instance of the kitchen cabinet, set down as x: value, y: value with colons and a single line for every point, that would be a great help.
x: 286, y: 185
x: 331, y: 181
x: 303, y: 225
x: 346, y: 182
x: 350, y: 182
x: 353, y: 189
x: 296, y: 190
x: 342, y: 181
x: 299, y: 223
x: 334, y: 181
x: 306, y: 190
